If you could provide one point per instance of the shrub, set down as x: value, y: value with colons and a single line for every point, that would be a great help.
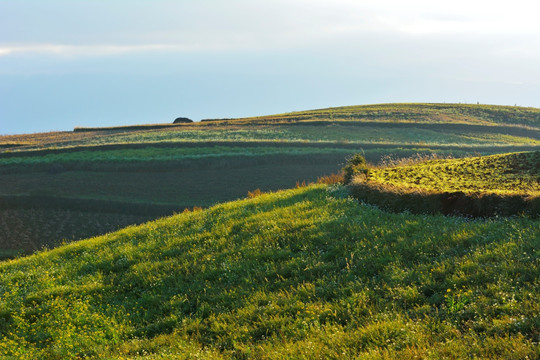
x: 355, y: 165
x: 254, y: 193
x: 331, y: 179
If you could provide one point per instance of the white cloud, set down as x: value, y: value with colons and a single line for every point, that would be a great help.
x: 251, y: 25
x: 96, y: 50
x: 6, y: 51
x: 459, y: 16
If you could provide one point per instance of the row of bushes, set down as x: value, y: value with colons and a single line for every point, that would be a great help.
x: 458, y: 203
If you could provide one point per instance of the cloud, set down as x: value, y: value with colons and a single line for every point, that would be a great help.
x: 95, y: 50
x: 6, y: 51
x: 424, y: 17
x: 66, y: 28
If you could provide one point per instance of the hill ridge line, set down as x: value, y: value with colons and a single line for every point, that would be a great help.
x: 185, y: 144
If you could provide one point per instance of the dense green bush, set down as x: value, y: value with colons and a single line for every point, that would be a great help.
x: 356, y: 165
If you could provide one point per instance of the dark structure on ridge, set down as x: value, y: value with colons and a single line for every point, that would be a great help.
x: 182, y: 120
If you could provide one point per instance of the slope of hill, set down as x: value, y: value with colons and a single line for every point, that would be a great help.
x: 517, y: 173
x: 144, y: 172
x: 506, y: 184
x: 295, y: 274
x: 413, y: 124
x: 419, y: 113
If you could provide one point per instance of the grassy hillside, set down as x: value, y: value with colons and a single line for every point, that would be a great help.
x: 418, y: 124
x: 110, y: 172
x: 301, y: 273
x: 422, y: 113
x: 517, y: 173
x: 506, y: 184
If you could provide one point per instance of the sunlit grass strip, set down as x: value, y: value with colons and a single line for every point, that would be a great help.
x: 330, y: 131
x: 505, y: 185
x: 164, y: 154
x: 413, y: 112
x: 505, y: 174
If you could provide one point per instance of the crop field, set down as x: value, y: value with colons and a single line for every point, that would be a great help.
x: 302, y: 273
x: 202, y: 183
x: 28, y: 230
x: 190, y: 187
x: 204, y: 163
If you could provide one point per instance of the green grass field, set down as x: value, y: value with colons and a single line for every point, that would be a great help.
x: 305, y: 273
x: 301, y: 273
x: 419, y: 113
x: 517, y: 173
x: 417, y: 124
x: 334, y: 131
x: 495, y: 185
x: 204, y: 163
x: 160, y: 154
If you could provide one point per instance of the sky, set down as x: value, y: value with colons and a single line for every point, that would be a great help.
x: 104, y: 63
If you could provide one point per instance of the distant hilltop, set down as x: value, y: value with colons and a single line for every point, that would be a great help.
x: 413, y: 114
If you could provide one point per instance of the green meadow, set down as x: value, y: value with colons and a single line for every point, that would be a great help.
x: 304, y: 273
x: 179, y: 242
x: 205, y: 163
x: 159, y: 154
x: 516, y: 173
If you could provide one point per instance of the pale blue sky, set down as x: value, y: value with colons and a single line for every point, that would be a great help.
x: 103, y: 63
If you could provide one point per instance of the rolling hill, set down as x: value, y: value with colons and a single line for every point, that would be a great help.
x: 70, y: 185
x: 303, y: 273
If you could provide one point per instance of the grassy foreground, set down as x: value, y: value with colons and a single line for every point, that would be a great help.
x: 302, y: 273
